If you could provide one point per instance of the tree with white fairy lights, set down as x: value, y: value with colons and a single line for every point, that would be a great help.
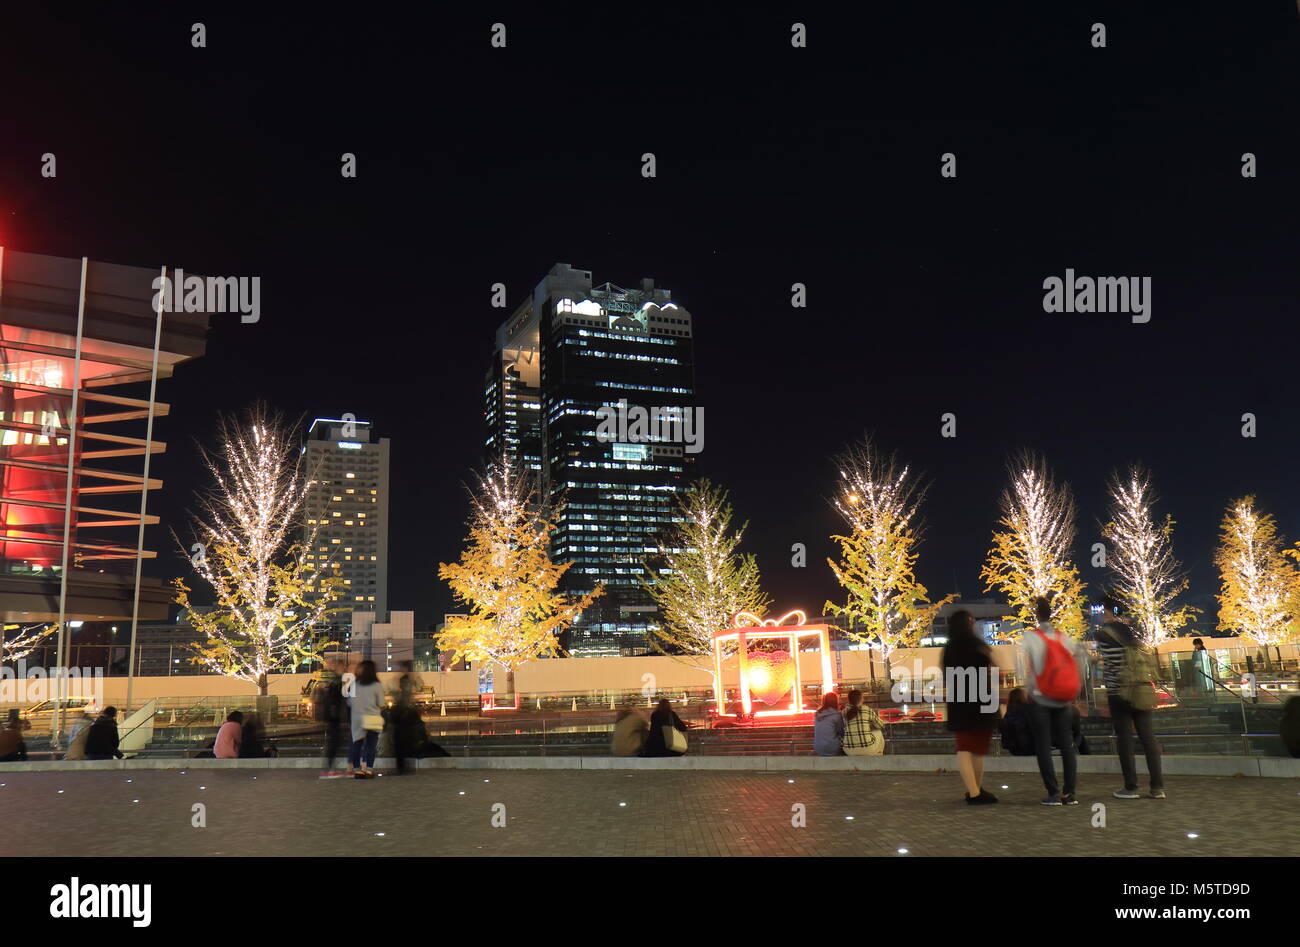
x: 1147, y: 577
x: 1260, y: 589
x: 507, y: 578
x: 698, y: 580
x: 880, y: 500
x: 270, y: 590
x: 25, y: 642
x: 1031, y: 556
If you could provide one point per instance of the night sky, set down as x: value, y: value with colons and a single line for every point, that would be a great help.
x: 775, y: 166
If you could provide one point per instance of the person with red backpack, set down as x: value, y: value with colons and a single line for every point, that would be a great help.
x: 1055, y: 665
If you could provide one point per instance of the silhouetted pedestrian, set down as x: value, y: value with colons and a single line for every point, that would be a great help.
x: 970, y: 675
x: 101, y: 740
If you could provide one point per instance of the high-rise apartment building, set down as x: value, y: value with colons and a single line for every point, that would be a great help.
x: 568, y: 353
x: 347, y: 504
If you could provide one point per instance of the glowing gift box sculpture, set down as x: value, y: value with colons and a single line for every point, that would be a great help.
x: 769, y: 675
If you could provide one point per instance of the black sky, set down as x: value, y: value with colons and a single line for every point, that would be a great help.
x: 775, y: 165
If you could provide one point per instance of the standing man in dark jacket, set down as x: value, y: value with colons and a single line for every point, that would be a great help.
x: 1112, y: 640
x: 332, y: 710
x: 101, y: 741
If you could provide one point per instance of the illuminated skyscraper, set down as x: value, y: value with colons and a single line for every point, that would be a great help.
x: 348, y: 502
x: 568, y: 351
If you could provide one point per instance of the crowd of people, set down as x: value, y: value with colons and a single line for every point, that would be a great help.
x: 363, y: 713
x: 1041, y: 720
x: 1045, y: 718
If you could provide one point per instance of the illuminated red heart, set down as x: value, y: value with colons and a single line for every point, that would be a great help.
x: 771, y: 675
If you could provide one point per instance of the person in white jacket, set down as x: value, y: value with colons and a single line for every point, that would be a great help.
x: 367, y: 703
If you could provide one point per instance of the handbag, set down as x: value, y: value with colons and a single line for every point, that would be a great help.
x: 674, y: 739
x: 372, y: 722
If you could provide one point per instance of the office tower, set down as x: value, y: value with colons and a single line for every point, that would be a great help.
x: 569, y: 351
x: 347, y: 501
x: 387, y: 643
x: 74, y: 449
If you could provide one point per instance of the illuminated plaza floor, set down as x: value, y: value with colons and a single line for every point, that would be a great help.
x: 579, y: 813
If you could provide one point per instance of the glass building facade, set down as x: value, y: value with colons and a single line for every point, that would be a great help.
x: 569, y: 353
x: 82, y: 347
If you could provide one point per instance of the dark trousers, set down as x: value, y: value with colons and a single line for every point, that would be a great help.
x: 1054, y: 725
x: 333, y: 741
x: 364, y: 749
x: 1125, y: 718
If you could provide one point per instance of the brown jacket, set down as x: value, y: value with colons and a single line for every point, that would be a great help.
x: 629, y: 735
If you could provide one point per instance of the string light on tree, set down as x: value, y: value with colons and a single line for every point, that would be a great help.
x: 699, y: 581
x: 1031, y: 553
x: 506, y: 577
x: 1260, y: 589
x: 1147, y: 577
x: 269, y: 589
x: 25, y: 642
x: 880, y: 500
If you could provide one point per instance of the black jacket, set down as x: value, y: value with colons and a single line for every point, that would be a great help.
x: 1017, y: 738
x: 102, y: 738
x: 654, y: 743
x: 968, y: 714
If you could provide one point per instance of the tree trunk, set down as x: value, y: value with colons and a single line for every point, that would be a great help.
x: 262, y: 685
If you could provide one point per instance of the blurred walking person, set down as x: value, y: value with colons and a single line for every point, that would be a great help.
x: 828, y: 727
x: 408, y: 731
x: 970, y: 676
x: 332, y: 710
x: 13, y: 749
x: 367, y: 706
x: 1131, y: 696
x: 1055, y: 677
x: 77, y: 737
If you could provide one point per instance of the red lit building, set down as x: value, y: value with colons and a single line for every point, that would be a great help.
x: 81, y: 350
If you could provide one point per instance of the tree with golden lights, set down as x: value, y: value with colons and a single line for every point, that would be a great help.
x: 1147, y: 577
x: 1260, y: 589
x: 880, y: 501
x: 25, y: 642
x: 507, y: 579
x: 1032, y: 553
x: 698, y: 580
x: 269, y: 589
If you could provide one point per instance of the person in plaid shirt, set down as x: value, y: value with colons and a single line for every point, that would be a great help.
x: 864, y: 734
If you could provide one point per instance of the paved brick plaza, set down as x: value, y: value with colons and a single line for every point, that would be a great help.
x: 287, y: 812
